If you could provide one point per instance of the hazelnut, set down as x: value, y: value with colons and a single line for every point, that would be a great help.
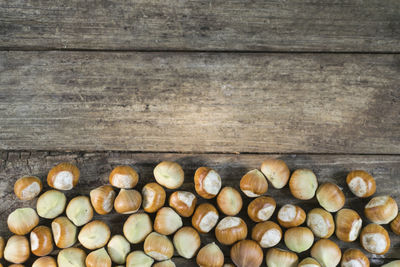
x: 230, y: 229
x: 22, y: 221
x: 159, y: 247
x: 303, y: 184
x: 381, y: 210
x: 127, y: 201
x: 348, y: 225
x: 247, y: 253
x: 153, y: 197
x: 299, y: 239
x: 187, y: 242
x: 64, y: 232
x: 64, y: 176
x: 309, y: 262
x: 169, y: 174
x: 45, y: 262
x: 276, y: 171
x: 79, y: 210
x: 137, y: 227
x: 41, y: 241
x: 278, y: 257
x: 102, y: 199
x: 98, y: 258
x: 267, y: 234
x: 210, y: 256
x: 320, y: 222
x: 326, y: 252
x: 118, y: 248
x: 138, y: 258
x: 167, y: 221
x: 229, y: 201
x: 27, y: 188
x: 94, y: 235
x: 375, y: 239
x: 394, y: 225
x: 205, y: 218
x: 354, y: 257
x: 17, y: 249
x: 51, y: 204
x: 330, y: 197
x: 124, y: 177
x: 71, y: 257
x: 261, y: 208
x: 254, y: 184
x: 183, y: 203
x: 207, y: 182
x: 361, y: 183
x: 291, y: 216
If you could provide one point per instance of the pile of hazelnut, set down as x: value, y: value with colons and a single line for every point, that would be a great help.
x: 167, y: 235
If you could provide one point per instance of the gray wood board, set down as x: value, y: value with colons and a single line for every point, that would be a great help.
x: 95, y: 168
x: 203, y: 102
x: 256, y: 25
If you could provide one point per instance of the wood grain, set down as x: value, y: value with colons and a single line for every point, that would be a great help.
x: 218, y: 25
x: 95, y: 168
x: 205, y: 102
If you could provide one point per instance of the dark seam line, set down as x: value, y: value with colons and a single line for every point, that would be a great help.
x: 192, y: 51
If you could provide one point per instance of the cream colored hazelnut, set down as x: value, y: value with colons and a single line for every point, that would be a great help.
x: 124, y: 177
x: 261, y: 209
x: 375, y: 239
x: 22, y: 221
x: 169, y: 174
x: 153, y: 197
x: 167, y: 263
x: 394, y: 225
x: 94, y: 235
x: 41, y: 241
x: 276, y: 171
x: 51, y: 204
x: 137, y: 227
x: 392, y: 264
x: 299, y: 239
x: 247, y: 253
x: 27, y: 188
x: 71, y: 257
x: 183, y: 203
x: 16, y: 265
x: 79, y: 210
x: 207, y: 182
x: 230, y: 229
x: 64, y: 176
x: 98, y: 258
x: 128, y: 201
x: 118, y: 248
x: 309, y: 262
x: 102, y: 199
x: 167, y: 221
x: 354, y: 258
x: 210, y: 256
x: 267, y: 234
x: 229, y: 201
x: 2, y: 244
x: 278, y: 257
x: 45, y: 262
x: 205, y: 217
x: 381, y: 210
x: 330, y: 197
x: 159, y: 247
x: 303, y: 184
x: 253, y: 184
x: 138, y: 259
x: 321, y: 223
x: 291, y: 216
x: 326, y: 252
x: 64, y: 232
x: 187, y: 242
x: 17, y: 249
x: 348, y: 225
x: 361, y: 183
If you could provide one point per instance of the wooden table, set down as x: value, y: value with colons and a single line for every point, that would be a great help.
x: 218, y: 83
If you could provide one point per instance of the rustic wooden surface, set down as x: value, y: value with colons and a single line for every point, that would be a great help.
x: 220, y: 25
x: 203, y: 102
x: 95, y: 168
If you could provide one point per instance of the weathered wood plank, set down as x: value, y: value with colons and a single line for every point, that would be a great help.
x: 95, y: 168
x: 257, y: 25
x: 206, y: 102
